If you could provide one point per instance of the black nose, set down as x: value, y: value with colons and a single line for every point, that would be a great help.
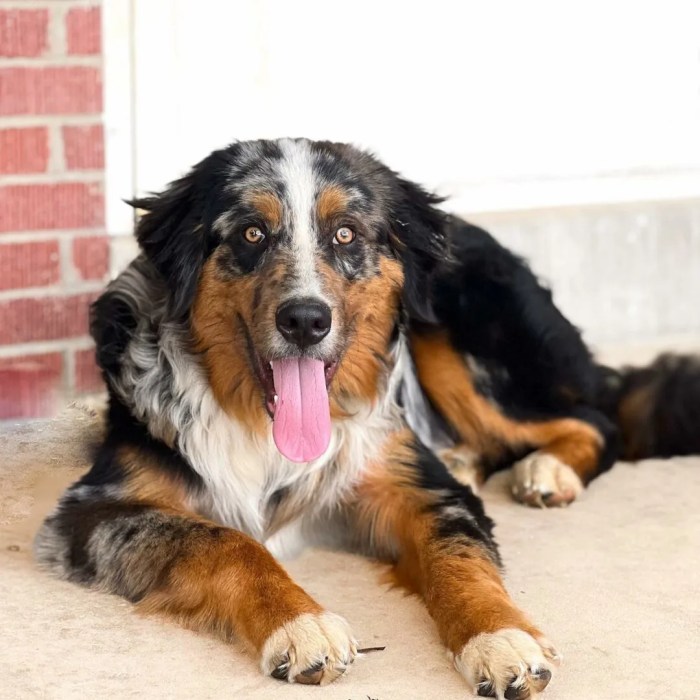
x: 304, y: 322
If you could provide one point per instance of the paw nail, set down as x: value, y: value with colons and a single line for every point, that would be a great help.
x: 540, y: 678
x: 281, y: 671
x: 485, y: 689
x: 516, y: 692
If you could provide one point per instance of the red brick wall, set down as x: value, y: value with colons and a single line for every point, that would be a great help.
x: 54, y: 254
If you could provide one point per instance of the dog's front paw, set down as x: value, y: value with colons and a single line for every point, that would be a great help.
x: 509, y: 664
x: 543, y: 480
x: 313, y: 649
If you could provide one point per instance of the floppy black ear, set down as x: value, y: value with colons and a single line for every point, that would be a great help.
x: 420, y: 241
x: 171, y: 235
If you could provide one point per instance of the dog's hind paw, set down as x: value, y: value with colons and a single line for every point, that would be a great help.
x: 544, y: 481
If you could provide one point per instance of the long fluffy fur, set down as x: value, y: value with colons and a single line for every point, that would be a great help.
x: 441, y: 340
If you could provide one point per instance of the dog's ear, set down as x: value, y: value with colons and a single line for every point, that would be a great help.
x: 171, y: 235
x: 418, y: 235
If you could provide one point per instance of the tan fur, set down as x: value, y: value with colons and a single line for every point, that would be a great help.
x: 222, y: 302
x: 468, y: 581
x: 459, y: 582
x: 269, y: 206
x: 636, y: 425
x: 225, y: 581
x: 228, y: 582
x: 331, y: 201
x: 220, y: 306
x: 371, y: 308
x: 147, y: 482
x: 447, y: 381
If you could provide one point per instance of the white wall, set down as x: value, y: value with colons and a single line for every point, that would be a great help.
x: 499, y: 104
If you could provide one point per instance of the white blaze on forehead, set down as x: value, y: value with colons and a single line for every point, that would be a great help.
x: 297, y: 172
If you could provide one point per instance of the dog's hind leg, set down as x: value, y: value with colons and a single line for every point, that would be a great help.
x: 553, y: 458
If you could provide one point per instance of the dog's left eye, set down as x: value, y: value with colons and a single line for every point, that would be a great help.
x: 343, y: 236
x: 254, y: 235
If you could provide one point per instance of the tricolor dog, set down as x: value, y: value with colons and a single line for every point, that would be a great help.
x: 309, y: 351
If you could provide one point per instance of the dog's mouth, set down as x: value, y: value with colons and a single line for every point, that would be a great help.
x: 266, y: 376
x: 296, y: 398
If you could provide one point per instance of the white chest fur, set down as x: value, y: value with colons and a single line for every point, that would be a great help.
x: 244, y: 475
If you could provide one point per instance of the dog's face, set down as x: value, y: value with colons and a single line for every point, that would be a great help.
x: 293, y: 259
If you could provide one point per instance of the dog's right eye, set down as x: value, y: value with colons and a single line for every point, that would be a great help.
x: 254, y: 235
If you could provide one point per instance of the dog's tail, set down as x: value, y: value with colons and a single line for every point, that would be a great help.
x: 656, y: 408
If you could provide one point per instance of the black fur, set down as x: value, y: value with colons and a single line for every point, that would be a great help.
x: 176, y: 233
x: 657, y: 407
x: 536, y: 365
x: 112, y: 322
x: 496, y: 310
x: 460, y: 512
x: 420, y: 228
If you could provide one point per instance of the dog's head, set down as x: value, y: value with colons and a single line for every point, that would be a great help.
x: 293, y: 260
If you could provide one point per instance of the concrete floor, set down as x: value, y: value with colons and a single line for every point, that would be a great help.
x: 613, y: 580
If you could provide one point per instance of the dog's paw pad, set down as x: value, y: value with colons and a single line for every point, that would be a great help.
x: 544, y: 481
x: 311, y: 650
x: 509, y: 664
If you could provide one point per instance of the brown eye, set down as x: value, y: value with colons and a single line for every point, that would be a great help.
x: 343, y: 236
x: 254, y: 235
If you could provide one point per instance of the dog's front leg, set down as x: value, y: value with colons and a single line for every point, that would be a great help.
x: 409, y: 510
x: 204, y: 575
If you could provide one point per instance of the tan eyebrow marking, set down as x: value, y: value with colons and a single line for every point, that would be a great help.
x: 331, y: 201
x: 269, y: 206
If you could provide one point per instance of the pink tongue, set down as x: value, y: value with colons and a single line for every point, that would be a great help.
x: 302, y: 422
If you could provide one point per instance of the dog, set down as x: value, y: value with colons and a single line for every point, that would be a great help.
x: 308, y: 350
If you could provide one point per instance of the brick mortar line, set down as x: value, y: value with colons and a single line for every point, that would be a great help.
x: 57, y: 30
x: 55, y: 177
x: 69, y: 275
x: 42, y: 347
x: 52, y: 291
x: 56, y: 163
x: 53, y: 61
x: 51, y: 234
x: 19, y: 121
